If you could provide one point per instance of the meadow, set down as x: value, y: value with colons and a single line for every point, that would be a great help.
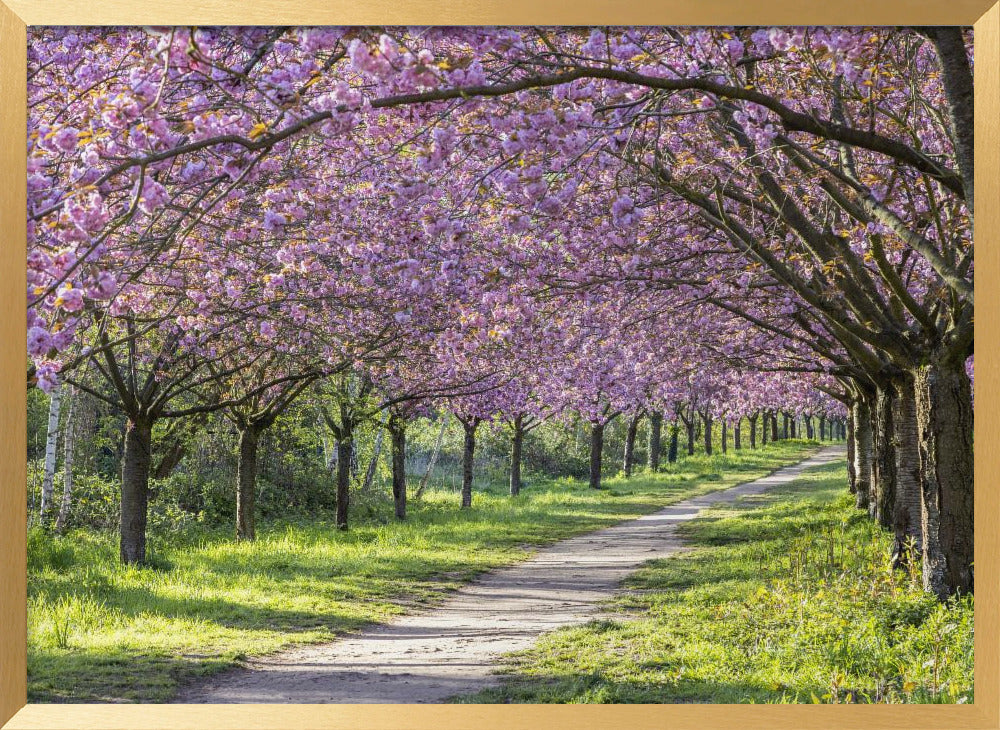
x: 100, y: 631
x: 785, y: 597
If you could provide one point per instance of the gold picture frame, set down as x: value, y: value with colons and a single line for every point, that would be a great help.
x: 16, y: 15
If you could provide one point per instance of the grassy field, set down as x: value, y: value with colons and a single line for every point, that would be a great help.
x: 102, y: 632
x: 787, y: 597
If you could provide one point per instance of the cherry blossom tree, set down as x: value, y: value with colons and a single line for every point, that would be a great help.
x: 717, y: 223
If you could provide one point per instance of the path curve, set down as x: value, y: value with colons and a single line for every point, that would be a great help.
x: 453, y: 648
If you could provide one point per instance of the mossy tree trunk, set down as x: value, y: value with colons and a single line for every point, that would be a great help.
x: 396, y: 426
x: 596, y: 451
x: 628, y: 459
x: 655, y: 441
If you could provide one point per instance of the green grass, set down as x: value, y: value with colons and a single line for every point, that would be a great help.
x: 786, y: 597
x: 102, y: 632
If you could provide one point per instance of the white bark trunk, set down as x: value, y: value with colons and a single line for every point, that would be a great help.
x: 51, y: 442
x: 434, y: 457
x: 330, y: 455
x: 69, y: 444
x: 370, y: 473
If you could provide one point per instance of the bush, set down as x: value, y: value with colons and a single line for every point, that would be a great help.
x: 553, y: 450
x: 96, y: 502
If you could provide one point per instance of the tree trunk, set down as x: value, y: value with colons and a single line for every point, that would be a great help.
x: 822, y: 428
x: 862, y: 452
x: 907, y: 517
x: 354, y: 460
x: 795, y: 427
x: 852, y: 470
x: 596, y: 449
x: 516, y: 444
x: 345, y: 447
x: 655, y: 436
x: 171, y: 458
x: 51, y: 455
x: 774, y: 426
x: 69, y: 447
x: 434, y: 457
x: 764, y: 429
x: 885, y: 457
x: 329, y: 456
x: 944, y: 428
x: 373, y: 463
x: 737, y: 444
x: 753, y: 431
x: 672, y: 450
x: 177, y: 439
x: 690, y: 436
x: 957, y: 79
x: 468, y: 457
x: 725, y: 435
x: 246, y: 483
x: 784, y: 426
x: 810, y: 434
x: 630, y: 433
x: 397, y: 434
x: 135, y: 490
x: 707, y: 420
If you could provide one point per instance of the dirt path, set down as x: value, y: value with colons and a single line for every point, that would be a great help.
x: 452, y: 649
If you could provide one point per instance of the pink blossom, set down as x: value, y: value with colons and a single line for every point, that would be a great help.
x: 47, y: 376
x: 273, y: 222
x: 153, y: 196
x: 39, y: 342
x: 69, y: 298
x: 66, y: 139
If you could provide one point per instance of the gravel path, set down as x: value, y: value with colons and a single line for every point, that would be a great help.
x: 453, y: 648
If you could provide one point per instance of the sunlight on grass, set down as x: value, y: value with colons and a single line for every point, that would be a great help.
x: 102, y: 632
x: 788, y: 597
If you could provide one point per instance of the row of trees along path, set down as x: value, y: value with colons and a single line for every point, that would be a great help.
x: 515, y: 224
